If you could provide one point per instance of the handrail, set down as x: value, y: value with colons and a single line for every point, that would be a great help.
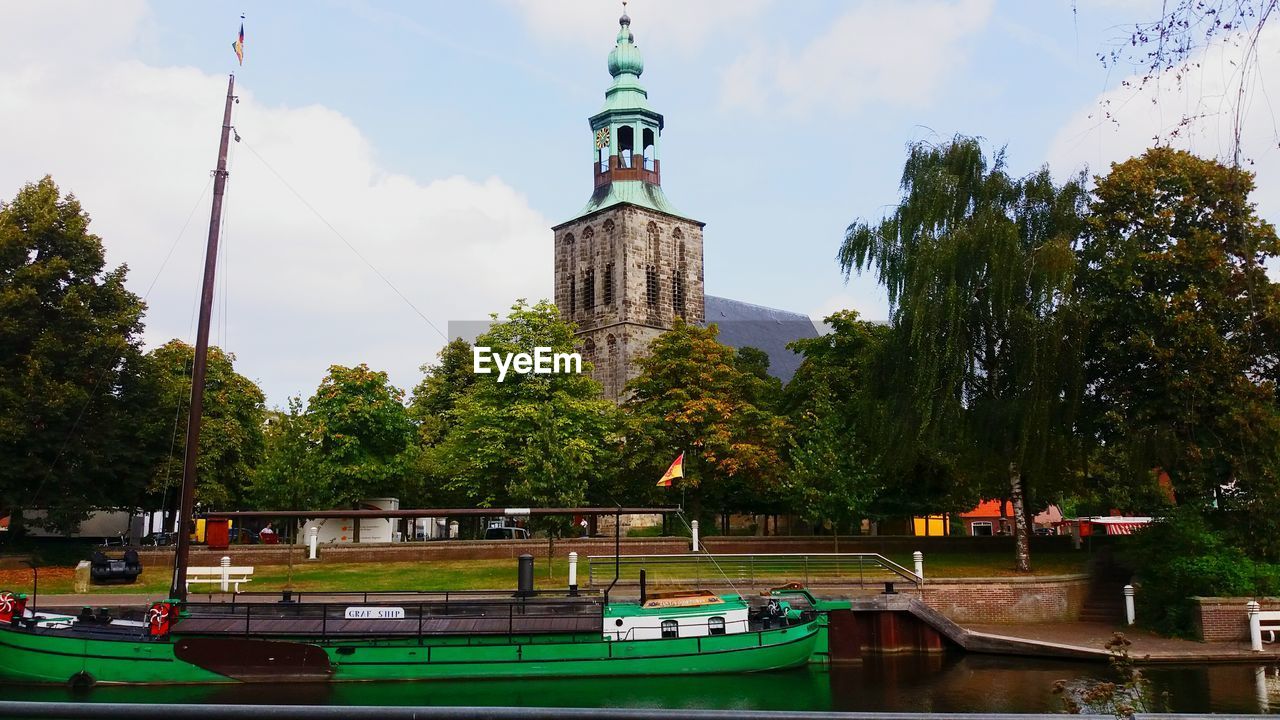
x: 761, y: 566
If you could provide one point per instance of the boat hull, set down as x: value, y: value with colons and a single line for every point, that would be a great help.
x: 34, y: 657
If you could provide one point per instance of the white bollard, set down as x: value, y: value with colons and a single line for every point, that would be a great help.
x: 225, y: 583
x: 694, y: 527
x: 1129, y: 613
x: 919, y: 558
x: 313, y: 537
x: 1255, y: 626
x: 573, y: 573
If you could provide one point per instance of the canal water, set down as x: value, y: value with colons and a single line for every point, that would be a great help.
x: 953, y: 682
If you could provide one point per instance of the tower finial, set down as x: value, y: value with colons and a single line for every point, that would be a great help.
x: 625, y: 19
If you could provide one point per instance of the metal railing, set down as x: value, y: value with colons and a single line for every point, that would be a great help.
x: 325, y: 619
x: 698, y: 569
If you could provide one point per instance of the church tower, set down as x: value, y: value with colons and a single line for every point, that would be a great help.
x: 629, y: 263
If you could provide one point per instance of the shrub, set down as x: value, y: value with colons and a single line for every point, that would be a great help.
x: 1182, y: 557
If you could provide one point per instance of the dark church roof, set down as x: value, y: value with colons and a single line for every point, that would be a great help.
x: 769, y: 329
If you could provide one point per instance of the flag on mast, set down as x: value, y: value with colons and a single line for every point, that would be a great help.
x: 675, y: 471
x: 238, y: 45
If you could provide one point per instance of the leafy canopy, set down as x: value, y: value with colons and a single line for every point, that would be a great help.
x: 69, y: 355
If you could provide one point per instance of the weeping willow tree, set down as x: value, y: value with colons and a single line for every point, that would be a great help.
x: 979, y: 364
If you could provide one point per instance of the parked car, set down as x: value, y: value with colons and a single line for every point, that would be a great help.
x: 506, y: 532
x: 159, y: 538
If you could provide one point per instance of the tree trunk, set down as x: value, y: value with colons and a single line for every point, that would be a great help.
x: 1021, y: 541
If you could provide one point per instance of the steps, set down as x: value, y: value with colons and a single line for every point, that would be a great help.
x: 1105, y: 600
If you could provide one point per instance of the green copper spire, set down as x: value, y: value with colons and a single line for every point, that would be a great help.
x: 627, y: 166
x: 625, y: 65
x: 625, y: 58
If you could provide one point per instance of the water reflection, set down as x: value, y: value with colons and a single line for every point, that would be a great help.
x: 915, y: 683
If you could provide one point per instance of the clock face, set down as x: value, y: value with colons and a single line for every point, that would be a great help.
x: 602, y: 138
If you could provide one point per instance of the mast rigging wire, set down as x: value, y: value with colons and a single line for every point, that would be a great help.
x: 344, y: 240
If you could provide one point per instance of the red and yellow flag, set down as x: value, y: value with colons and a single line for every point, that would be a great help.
x: 675, y: 471
x: 238, y: 45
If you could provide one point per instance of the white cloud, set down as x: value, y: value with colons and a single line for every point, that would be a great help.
x: 874, y: 53
x: 677, y: 24
x: 1125, y: 121
x: 136, y: 143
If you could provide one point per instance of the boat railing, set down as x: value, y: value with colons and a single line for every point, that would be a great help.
x: 380, y: 596
x: 343, y: 619
x: 863, y: 570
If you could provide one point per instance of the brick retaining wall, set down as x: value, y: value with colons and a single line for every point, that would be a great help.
x: 1225, y: 618
x: 1056, y: 598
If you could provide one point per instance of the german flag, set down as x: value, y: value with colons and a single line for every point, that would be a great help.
x: 675, y: 471
x: 238, y: 45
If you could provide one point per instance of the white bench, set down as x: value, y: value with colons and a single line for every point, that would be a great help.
x: 234, y: 575
x: 1269, y: 623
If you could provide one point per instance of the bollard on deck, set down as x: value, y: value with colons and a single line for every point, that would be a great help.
x: 919, y: 558
x: 694, y: 529
x: 1129, y: 614
x: 313, y: 536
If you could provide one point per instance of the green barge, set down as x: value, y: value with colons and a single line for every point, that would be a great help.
x: 676, y: 634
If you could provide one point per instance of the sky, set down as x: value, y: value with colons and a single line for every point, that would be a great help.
x: 401, y: 163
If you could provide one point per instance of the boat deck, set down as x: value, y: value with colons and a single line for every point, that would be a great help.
x: 488, y: 617
x: 269, y: 626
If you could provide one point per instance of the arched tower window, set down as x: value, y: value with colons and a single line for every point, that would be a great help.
x: 677, y: 292
x: 655, y: 243
x: 615, y: 366
x: 589, y: 289
x: 651, y: 286
x: 647, y: 144
x: 573, y: 295
x: 587, y: 247
x: 608, y: 284
x: 589, y: 351
x: 626, y: 145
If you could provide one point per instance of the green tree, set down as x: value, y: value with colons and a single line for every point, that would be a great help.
x: 529, y: 439
x: 835, y: 477
x: 442, y: 385
x: 360, y: 430
x: 287, y: 478
x: 231, y: 434
x: 762, y: 388
x: 1183, y: 351
x: 691, y: 397
x: 977, y: 266
x: 69, y: 354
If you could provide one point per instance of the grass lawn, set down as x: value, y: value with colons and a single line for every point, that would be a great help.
x: 489, y: 574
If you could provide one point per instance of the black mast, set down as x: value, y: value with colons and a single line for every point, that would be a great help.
x: 186, y: 507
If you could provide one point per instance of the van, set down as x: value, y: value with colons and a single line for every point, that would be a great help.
x: 506, y: 532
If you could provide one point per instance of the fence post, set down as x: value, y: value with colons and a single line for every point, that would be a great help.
x: 694, y: 527
x: 1255, y: 626
x: 1129, y: 613
x: 919, y: 558
x: 573, y: 573
x: 225, y: 569
x: 313, y: 535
